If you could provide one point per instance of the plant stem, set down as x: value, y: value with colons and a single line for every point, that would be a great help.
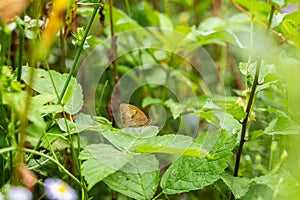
x: 9, y: 149
x: 113, y: 46
x: 63, y: 68
x: 76, y: 58
x: 245, y: 121
x: 250, y: 102
x: 21, y: 41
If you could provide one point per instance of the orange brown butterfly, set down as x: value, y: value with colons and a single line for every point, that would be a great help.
x: 132, y: 116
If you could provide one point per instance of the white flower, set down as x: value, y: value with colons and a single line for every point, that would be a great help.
x: 1, y: 196
x: 18, y: 193
x: 56, y: 189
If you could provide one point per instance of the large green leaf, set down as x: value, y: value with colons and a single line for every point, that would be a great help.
x: 42, y: 83
x: 283, y: 125
x: 172, y: 144
x: 238, y: 186
x: 102, y: 160
x: 138, y: 179
x: 280, y: 181
x: 192, y: 173
x: 127, y: 139
x: 37, y: 109
x: 94, y: 171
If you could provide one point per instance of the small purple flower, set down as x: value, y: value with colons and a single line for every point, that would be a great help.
x: 290, y: 8
x: 57, y: 189
x: 18, y: 193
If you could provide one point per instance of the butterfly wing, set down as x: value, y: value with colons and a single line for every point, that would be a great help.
x: 131, y: 116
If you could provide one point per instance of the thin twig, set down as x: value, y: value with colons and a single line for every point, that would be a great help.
x: 113, y: 47
x: 250, y: 103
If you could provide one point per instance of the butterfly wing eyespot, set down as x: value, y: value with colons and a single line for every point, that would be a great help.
x: 132, y: 116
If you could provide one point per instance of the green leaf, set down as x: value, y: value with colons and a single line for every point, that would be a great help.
x: 238, y: 186
x: 191, y: 173
x: 256, y: 134
x: 128, y: 138
x: 283, y: 125
x: 43, y: 85
x: 71, y: 125
x: 138, y: 179
x: 249, y: 72
x: 105, y: 158
x: 141, y: 132
x: 290, y: 27
x: 280, y: 181
x: 37, y: 109
x: 149, y: 101
x: 176, y: 108
x: 261, y: 9
x: 171, y: 144
x: 94, y: 171
x: 165, y: 22
x: 237, y: 112
x: 122, y: 22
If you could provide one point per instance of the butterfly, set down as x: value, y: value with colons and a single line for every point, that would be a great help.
x: 131, y: 116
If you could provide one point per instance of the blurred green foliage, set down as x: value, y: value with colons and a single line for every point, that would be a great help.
x: 190, y: 65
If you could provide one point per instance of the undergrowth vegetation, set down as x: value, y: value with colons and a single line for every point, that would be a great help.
x: 162, y: 99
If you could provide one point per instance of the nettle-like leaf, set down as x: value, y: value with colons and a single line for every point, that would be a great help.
x: 127, y: 139
x: 105, y: 159
x: 42, y: 83
x: 138, y: 179
x: 37, y: 109
x: 237, y: 112
x: 175, y: 108
x: 193, y: 173
x: 172, y: 144
x: 238, y: 186
x: 84, y: 122
x: 265, y: 71
x: 101, y: 161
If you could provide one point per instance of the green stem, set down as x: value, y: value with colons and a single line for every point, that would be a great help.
x: 101, y: 98
x: 157, y: 196
x: 77, y: 163
x: 9, y: 149
x: 113, y: 45
x: 128, y: 8
x: 21, y: 41
x: 63, y: 68
x: 76, y: 59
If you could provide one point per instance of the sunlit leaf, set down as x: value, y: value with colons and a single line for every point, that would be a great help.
x: 138, y: 179
x: 101, y: 160
x: 176, y: 108
x: 238, y: 186
x: 191, y: 173
x: 43, y: 84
